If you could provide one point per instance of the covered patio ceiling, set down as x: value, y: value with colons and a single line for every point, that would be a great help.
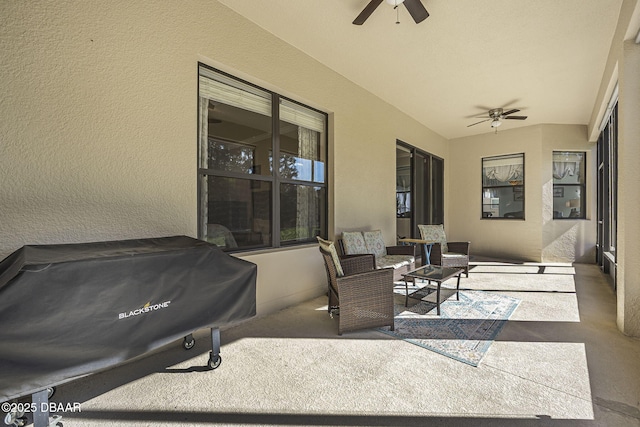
x: 544, y: 57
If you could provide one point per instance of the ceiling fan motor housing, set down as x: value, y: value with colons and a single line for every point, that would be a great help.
x: 496, y: 113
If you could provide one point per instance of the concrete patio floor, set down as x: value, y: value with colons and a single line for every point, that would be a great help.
x: 559, y: 361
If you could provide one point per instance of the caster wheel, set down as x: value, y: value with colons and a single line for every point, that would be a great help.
x: 50, y: 392
x: 214, y: 362
x: 15, y: 419
x: 188, y: 344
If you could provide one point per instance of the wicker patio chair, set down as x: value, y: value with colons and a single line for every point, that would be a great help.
x: 444, y: 253
x: 363, y: 295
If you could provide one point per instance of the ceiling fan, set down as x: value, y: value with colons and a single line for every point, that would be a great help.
x: 415, y: 8
x: 496, y: 116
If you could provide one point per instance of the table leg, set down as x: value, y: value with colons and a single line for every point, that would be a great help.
x: 458, y: 287
x: 438, y: 298
x: 406, y: 292
x: 427, y: 253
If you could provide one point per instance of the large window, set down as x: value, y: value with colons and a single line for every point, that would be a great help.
x: 569, y: 188
x: 503, y: 187
x: 262, y: 166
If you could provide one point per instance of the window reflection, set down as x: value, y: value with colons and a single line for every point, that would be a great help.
x: 238, y: 212
x: 302, y: 152
x: 302, y: 215
x: 568, y: 184
x: 238, y: 140
x: 503, y: 187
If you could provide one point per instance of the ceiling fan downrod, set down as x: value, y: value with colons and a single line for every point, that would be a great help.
x: 415, y: 8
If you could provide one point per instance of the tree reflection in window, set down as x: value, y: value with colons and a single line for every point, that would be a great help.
x: 231, y: 157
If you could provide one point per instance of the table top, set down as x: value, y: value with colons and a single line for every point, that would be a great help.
x: 421, y: 241
x: 434, y: 272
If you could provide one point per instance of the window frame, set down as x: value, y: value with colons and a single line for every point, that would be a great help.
x: 274, y: 178
x: 582, y: 186
x: 607, y: 192
x: 516, y: 194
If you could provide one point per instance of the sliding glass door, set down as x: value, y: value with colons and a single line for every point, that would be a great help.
x: 419, y: 190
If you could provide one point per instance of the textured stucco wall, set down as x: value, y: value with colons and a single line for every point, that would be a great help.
x: 98, y: 129
x: 567, y: 240
x: 628, y: 243
x: 515, y: 239
x: 96, y: 140
x: 538, y: 237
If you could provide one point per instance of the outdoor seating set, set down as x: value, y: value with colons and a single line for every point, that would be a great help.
x: 361, y: 278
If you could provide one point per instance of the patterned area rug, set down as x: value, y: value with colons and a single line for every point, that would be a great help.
x: 465, y: 329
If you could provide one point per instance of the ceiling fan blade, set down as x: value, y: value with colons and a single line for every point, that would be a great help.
x: 515, y: 110
x: 366, y: 12
x: 515, y: 117
x: 479, y: 122
x: 416, y: 10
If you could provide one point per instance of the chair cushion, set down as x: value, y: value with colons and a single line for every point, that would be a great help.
x: 434, y: 233
x: 394, y: 261
x: 375, y: 243
x: 328, y: 246
x: 453, y: 255
x: 354, y: 243
x: 457, y: 260
x: 220, y: 235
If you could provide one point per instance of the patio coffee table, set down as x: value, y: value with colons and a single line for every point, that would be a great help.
x: 432, y: 273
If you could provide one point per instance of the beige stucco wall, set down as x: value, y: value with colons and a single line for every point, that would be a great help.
x: 628, y: 242
x: 567, y: 239
x: 514, y: 239
x: 538, y: 237
x: 98, y: 129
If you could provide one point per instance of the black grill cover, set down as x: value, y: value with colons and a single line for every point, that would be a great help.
x: 70, y: 310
